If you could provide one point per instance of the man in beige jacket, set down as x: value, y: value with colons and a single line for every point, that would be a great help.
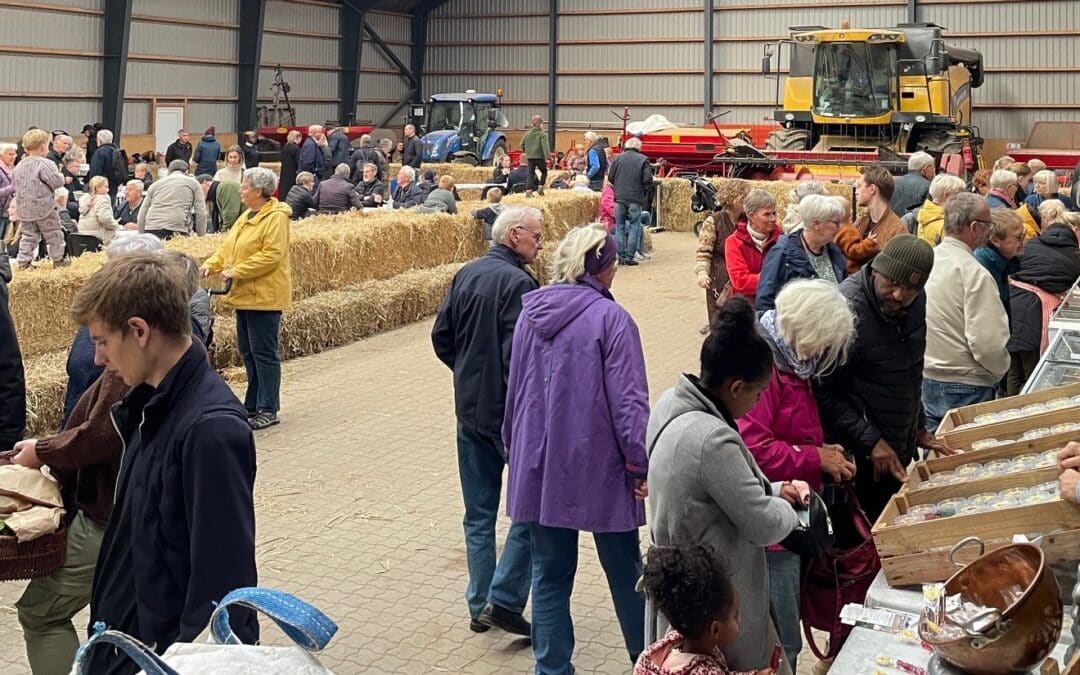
x: 966, y: 325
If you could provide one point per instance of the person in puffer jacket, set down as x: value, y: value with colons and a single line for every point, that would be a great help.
x: 1049, y: 266
x: 207, y: 153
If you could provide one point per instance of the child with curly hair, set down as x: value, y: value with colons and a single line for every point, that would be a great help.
x: 689, y: 585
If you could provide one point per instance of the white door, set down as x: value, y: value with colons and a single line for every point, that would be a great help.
x: 167, y: 121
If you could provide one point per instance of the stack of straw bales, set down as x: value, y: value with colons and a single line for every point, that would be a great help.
x: 675, y: 194
x: 354, y: 275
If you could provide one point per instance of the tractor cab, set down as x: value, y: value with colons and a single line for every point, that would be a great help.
x: 464, y: 128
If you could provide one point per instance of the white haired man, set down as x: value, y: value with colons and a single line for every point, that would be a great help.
x: 408, y: 194
x: 61, y: 143
x: 1003, y: 184
x: 473, y: 334
x: 910, y: 190
x: 108, y: 162
x: 128, y: 214
x: 967, y: 327
x: 312, y: 158
x: 337, y: 194
x: 596, y: 166
x: 631, y: 179
x: 365, y: 154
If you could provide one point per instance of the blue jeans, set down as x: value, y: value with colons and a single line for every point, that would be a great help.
x: 257, y: 341
x: 627, y: 229
x: 555, y: 555
x: 480, y: 467
x: 784, y: 593
x: 941, y: 397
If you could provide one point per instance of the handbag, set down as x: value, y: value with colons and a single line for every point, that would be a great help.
x: 814, y: 535
x: 223, y: 654
x: 841, y: 575
x: 721, y: 296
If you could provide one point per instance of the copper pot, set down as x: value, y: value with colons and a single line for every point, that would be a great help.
x: 1012, y: 638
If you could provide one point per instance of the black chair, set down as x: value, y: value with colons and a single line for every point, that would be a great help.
x: 77, y: 244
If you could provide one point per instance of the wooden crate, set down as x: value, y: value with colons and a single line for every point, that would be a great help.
x: 922, y: 471
x: 918, y: 553
x: 1011, y: 429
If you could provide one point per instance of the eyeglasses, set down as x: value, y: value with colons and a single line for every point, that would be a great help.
x: 988, y: 223
x: 538, y: 237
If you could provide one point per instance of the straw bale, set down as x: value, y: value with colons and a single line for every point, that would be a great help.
x: 675, y: 195
x: 46, y: 381
x: 327, y: 253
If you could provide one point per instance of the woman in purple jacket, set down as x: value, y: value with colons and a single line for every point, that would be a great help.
x: 810, y: 332
x: 577, y: 406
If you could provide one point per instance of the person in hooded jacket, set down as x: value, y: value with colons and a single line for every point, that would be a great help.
x: 577, y: 397
x: 255, y: 255
x: 807, y: 252
x: 207, y: 153
x: 810, y: 332
x: 1049, y: 266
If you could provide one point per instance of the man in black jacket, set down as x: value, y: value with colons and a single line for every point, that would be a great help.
x: 472, y: 335
x: 412, y: 149
x: 370, y: 188
x: 182, y: 530
x: 631, y: 178
x: 179, y: 149
x: 872, y: 405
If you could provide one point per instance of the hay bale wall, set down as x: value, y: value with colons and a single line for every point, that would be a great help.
x: 327, y: 253
x: 675, y: 195
x: 342, y: 313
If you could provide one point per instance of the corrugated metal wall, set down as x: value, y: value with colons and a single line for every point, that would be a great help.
x: 51, y: 64
x: 304, y: 39
x: 186, y: 52
x: 1029, y: 51
x: 488, y: 44
x: 380, y: 85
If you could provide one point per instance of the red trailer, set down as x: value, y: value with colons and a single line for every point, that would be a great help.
x: 1056, y: 143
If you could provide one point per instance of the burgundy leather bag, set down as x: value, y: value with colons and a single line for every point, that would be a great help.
x: 841, y: 576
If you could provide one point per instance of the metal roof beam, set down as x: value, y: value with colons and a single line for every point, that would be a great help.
x: 117, y: 21
x: 249, y: 55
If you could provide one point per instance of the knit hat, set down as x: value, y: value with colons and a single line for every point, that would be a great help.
x: 429, y: 174
x: 210, y: 132
x: 905, y: 260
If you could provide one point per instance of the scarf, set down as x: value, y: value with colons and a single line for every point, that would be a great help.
x: 802, y: 369
x: 758, y: 239
x: 1048, y: 302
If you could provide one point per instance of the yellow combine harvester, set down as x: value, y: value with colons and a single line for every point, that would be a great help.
x: 855, y: 96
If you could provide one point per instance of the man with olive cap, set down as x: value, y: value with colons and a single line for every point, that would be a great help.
x: 872, y: 405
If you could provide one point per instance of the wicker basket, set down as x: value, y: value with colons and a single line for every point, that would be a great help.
x: 35, y: 558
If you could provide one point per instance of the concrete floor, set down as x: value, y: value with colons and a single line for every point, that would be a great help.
x: 359, y: 507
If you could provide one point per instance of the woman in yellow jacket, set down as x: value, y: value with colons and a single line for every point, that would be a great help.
x: 255, y: 256
x: 931, y: 217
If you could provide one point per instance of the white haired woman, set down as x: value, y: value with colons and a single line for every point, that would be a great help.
x: 1047, y: 187
x: 255, y: 256
x: 806, y: 253
x: 577, y: 397
x: 802, y: 189
x: 96, y: 213
x: 810, y: 332
x: 1003, y: 185
x: 931, y: 217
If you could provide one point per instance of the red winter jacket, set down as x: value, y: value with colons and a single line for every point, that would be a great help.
x: 744, y: 260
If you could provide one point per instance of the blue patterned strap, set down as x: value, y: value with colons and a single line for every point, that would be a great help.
x: 307, y: 626
x: 143, y: 656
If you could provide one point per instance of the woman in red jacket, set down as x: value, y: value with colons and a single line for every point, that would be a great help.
x: 810, y: 332
x: 745, y: 249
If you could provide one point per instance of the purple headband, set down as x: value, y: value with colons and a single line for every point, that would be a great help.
x: 601, y: 257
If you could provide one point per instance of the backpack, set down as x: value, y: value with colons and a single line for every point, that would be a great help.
x: 118, y: 172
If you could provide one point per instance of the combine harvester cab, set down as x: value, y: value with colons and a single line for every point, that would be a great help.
x: 852, y: 97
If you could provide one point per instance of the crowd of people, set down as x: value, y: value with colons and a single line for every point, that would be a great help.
x: 838, y: 337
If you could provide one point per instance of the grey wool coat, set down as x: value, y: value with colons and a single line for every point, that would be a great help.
x: 705, y: 487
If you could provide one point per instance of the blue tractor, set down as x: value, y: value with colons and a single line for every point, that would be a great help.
x: 464, y: 128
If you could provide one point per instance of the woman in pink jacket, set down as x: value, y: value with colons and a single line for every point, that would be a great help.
x: 810, y: 332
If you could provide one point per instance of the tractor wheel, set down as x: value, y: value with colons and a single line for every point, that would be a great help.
x: 467, y: 159
x: 788, y: 139
x: 498, y: 152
